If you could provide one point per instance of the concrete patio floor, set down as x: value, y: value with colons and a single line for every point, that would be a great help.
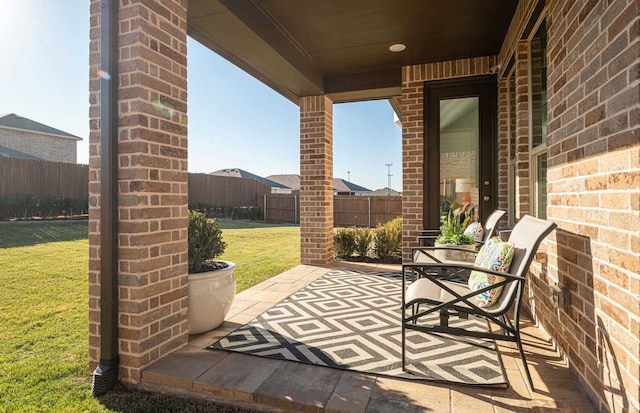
x: 275, y: 385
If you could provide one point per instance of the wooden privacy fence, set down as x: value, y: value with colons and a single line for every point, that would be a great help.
x: 224, y: 190
x: 280, y: 207
x: 64, y: 180
x: 348, y: 211
x: 361, y: 211
x: 43, y: 179
x: 67, y: 180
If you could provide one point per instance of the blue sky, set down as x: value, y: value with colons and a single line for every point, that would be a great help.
x: 235, y: 121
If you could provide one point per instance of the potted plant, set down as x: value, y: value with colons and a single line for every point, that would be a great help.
x: 211, y: 282
x: 452, y: 237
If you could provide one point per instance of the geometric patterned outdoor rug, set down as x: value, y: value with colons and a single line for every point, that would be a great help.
x: 351, y: 320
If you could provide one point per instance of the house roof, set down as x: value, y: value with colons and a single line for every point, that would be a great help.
x: 293, y: 181
x: 289, y: 180
x: 386, y: 192
x: 342, y: 185
x: 241, y: 173
x: 12, y: 153
x: 341, y: 48
x: 13, y: 121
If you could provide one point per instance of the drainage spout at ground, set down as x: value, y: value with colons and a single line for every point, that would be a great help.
x: 106, y: 374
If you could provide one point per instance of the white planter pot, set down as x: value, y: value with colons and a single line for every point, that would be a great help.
x: 210, y: 295
x: 452, y: 255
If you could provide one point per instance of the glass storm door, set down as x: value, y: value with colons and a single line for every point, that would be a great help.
x: 460, y: 161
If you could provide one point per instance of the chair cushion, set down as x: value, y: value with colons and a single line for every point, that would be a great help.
x: 495, y: 255
x: 475, y: 231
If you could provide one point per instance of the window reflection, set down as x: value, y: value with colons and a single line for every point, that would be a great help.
x: 459, y: 144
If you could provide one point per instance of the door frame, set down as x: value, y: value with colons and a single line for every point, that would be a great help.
x: 485, y: 88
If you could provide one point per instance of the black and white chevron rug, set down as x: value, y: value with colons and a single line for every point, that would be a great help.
x: 351, y: 320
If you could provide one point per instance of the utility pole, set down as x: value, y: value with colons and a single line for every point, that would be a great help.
x: 389, y: 165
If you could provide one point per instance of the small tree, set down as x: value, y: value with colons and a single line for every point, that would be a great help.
x: 205, y: 241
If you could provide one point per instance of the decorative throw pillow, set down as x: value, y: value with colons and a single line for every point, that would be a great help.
x: 495, y: 255
x: 475, y: 231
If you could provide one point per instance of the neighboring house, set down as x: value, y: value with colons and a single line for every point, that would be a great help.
x: 340, y: 186
x: 276, y: 188
x: 25, y: 138
x: 12, y: 153
x: 386, y: 192
x: 289, y: 180
x: 344, y: 187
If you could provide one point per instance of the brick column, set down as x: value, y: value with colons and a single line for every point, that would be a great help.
x: 412, y: 157
x: 316, y: 180
x: 152, y: 176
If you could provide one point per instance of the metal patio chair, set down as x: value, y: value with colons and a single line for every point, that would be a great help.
x: 434, y: 285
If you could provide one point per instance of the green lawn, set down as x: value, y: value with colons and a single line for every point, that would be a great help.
x: 259, y: 250
x: 44, y: 322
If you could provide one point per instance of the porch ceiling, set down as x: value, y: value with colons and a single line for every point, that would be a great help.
x: 341, y: 48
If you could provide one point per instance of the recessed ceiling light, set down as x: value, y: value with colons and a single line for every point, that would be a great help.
x: 398, y: 47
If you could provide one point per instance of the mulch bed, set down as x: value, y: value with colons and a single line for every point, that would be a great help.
x: 125, y: 399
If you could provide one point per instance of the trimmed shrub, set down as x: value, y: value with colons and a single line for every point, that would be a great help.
x: 344, y: 242
x: 26, y: 206
x: 234, y: 212
x: 388, y: 238
x: 74, y: 206
x: 205, y: 241
x: 363, y: 238
x: 382, y: 242
x: 6, y: 208
x: 49, y: 206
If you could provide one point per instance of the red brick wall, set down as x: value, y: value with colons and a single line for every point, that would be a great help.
x: 152, y: 176
x: 316, y: 180
x: 593, y: 189
x: 594, y: 192
x: 412, y: 117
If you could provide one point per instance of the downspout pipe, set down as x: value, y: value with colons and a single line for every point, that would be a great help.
x: 106, y: 374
